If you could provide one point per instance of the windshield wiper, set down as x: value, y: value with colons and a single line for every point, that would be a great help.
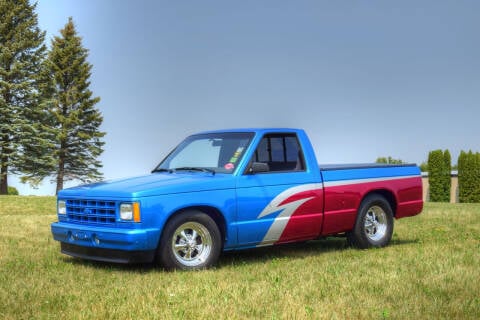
x: 162, y: 170
x: 195, y: 169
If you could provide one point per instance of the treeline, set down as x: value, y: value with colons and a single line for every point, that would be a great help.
x: 49, y: 125
x: 439, y: 176
x: 439, y: 168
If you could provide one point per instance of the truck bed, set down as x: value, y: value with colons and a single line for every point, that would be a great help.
x: 348, y: 166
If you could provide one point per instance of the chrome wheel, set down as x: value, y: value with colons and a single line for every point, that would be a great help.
x: 191, y: 244
x: 375, y: 223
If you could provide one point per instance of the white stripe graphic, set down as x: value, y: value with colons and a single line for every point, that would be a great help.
x: 357, y: 181
x: 280, y: 222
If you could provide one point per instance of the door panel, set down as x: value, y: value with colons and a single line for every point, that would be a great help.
x: 269, y: 211
x: 283, y: 204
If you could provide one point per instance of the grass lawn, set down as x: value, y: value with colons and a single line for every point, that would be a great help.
x: 431, y: 270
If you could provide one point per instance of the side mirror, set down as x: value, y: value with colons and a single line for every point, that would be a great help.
x: 258, y: 167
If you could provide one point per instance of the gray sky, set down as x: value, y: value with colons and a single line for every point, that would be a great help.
x: 363, y: 78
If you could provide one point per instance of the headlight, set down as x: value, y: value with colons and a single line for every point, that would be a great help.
x: 126, y: 211
x: 61, y: 207
x: 130, y: 211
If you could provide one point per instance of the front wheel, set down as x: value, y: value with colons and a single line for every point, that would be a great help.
x: 374, y: 224
x: 189, y: 241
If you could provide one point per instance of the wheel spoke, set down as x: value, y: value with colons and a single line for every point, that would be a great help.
x: 184, y: 235
x: 180, y: 246
x: 194, y: 235
x: 368, y: 223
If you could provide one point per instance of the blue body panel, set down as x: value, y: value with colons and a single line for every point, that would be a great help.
x: 372, y: 172
x: 255, y: 209
x: 106, y: 238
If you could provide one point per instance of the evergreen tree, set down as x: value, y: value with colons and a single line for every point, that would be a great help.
x: 469, y: 176
x: 22, y: 129
x: 447, y: 175
x: 463, y: 185
x: 436, y: 173
x: 475, y: 177
x: 76, y: 120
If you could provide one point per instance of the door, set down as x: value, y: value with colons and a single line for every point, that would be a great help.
x: 281, y: 202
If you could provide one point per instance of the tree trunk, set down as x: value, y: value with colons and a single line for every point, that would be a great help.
x: 4, y: 166
x: 3, y: 177
x: 5, y: 138
x: 61, y: 168
x: 60, y: 175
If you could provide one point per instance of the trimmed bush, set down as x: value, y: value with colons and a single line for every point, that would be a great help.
x: 12, y: 191
x: 438, y: 171
x: 469, y: 176
x: 447, y: 175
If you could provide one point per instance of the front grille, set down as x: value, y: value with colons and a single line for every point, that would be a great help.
x: 91, y: 211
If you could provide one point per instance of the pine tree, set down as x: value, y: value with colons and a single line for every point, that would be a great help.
x: 463, y: 173
x: 447, y: 175
x: 435, y: 175
x: 476, y: 177
x: 23, y: 138
x: 466, y: 179
x: 76, y: 120
x: 469, y: 176
x: 461, y: 166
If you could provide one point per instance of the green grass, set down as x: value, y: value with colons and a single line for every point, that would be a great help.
x: 431, y: 270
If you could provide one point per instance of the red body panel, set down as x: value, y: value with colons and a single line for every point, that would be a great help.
x: 337, y: 212
x: 306, y: 221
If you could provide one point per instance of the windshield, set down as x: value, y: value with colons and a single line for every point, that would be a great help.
x: 217, y: 152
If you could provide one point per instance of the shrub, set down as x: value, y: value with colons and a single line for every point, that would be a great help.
x: 389, y: 160
x: 469, y: 176
x: 12, y: 191
x: 447, y: 175
x: 439, y: 175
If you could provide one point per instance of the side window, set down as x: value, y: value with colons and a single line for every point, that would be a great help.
x: 281, y: 152
x: 261, y: 154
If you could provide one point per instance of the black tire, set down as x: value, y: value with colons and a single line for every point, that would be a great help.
x: 190, y: 241
x: 374, y: 223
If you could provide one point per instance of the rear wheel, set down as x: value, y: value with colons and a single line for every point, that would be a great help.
x: 189, y: 241
x: 374, y: 224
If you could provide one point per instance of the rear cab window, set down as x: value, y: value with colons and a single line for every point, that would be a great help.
x: 281, y: 152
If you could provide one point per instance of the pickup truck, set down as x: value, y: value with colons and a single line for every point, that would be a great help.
x: 230, y: 190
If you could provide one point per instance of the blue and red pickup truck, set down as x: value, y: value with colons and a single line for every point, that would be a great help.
x: 229, y: 190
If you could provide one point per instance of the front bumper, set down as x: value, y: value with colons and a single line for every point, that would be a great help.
x: 106, y: 244
x: 107, y: 255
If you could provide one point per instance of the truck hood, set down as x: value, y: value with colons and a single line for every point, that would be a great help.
x: 152, y: 185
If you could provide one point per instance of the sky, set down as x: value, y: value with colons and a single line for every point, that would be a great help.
x: 365, y: 79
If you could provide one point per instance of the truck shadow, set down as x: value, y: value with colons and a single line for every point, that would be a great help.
x: 291, y: 251
x: 294, y: 251
x: 111, y: 266
x: 248, y: 256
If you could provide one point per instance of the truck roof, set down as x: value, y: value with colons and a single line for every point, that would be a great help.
x: 255, y: 130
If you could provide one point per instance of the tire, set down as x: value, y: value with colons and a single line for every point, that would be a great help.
x: 190, y: 241
x: 374, y: 223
